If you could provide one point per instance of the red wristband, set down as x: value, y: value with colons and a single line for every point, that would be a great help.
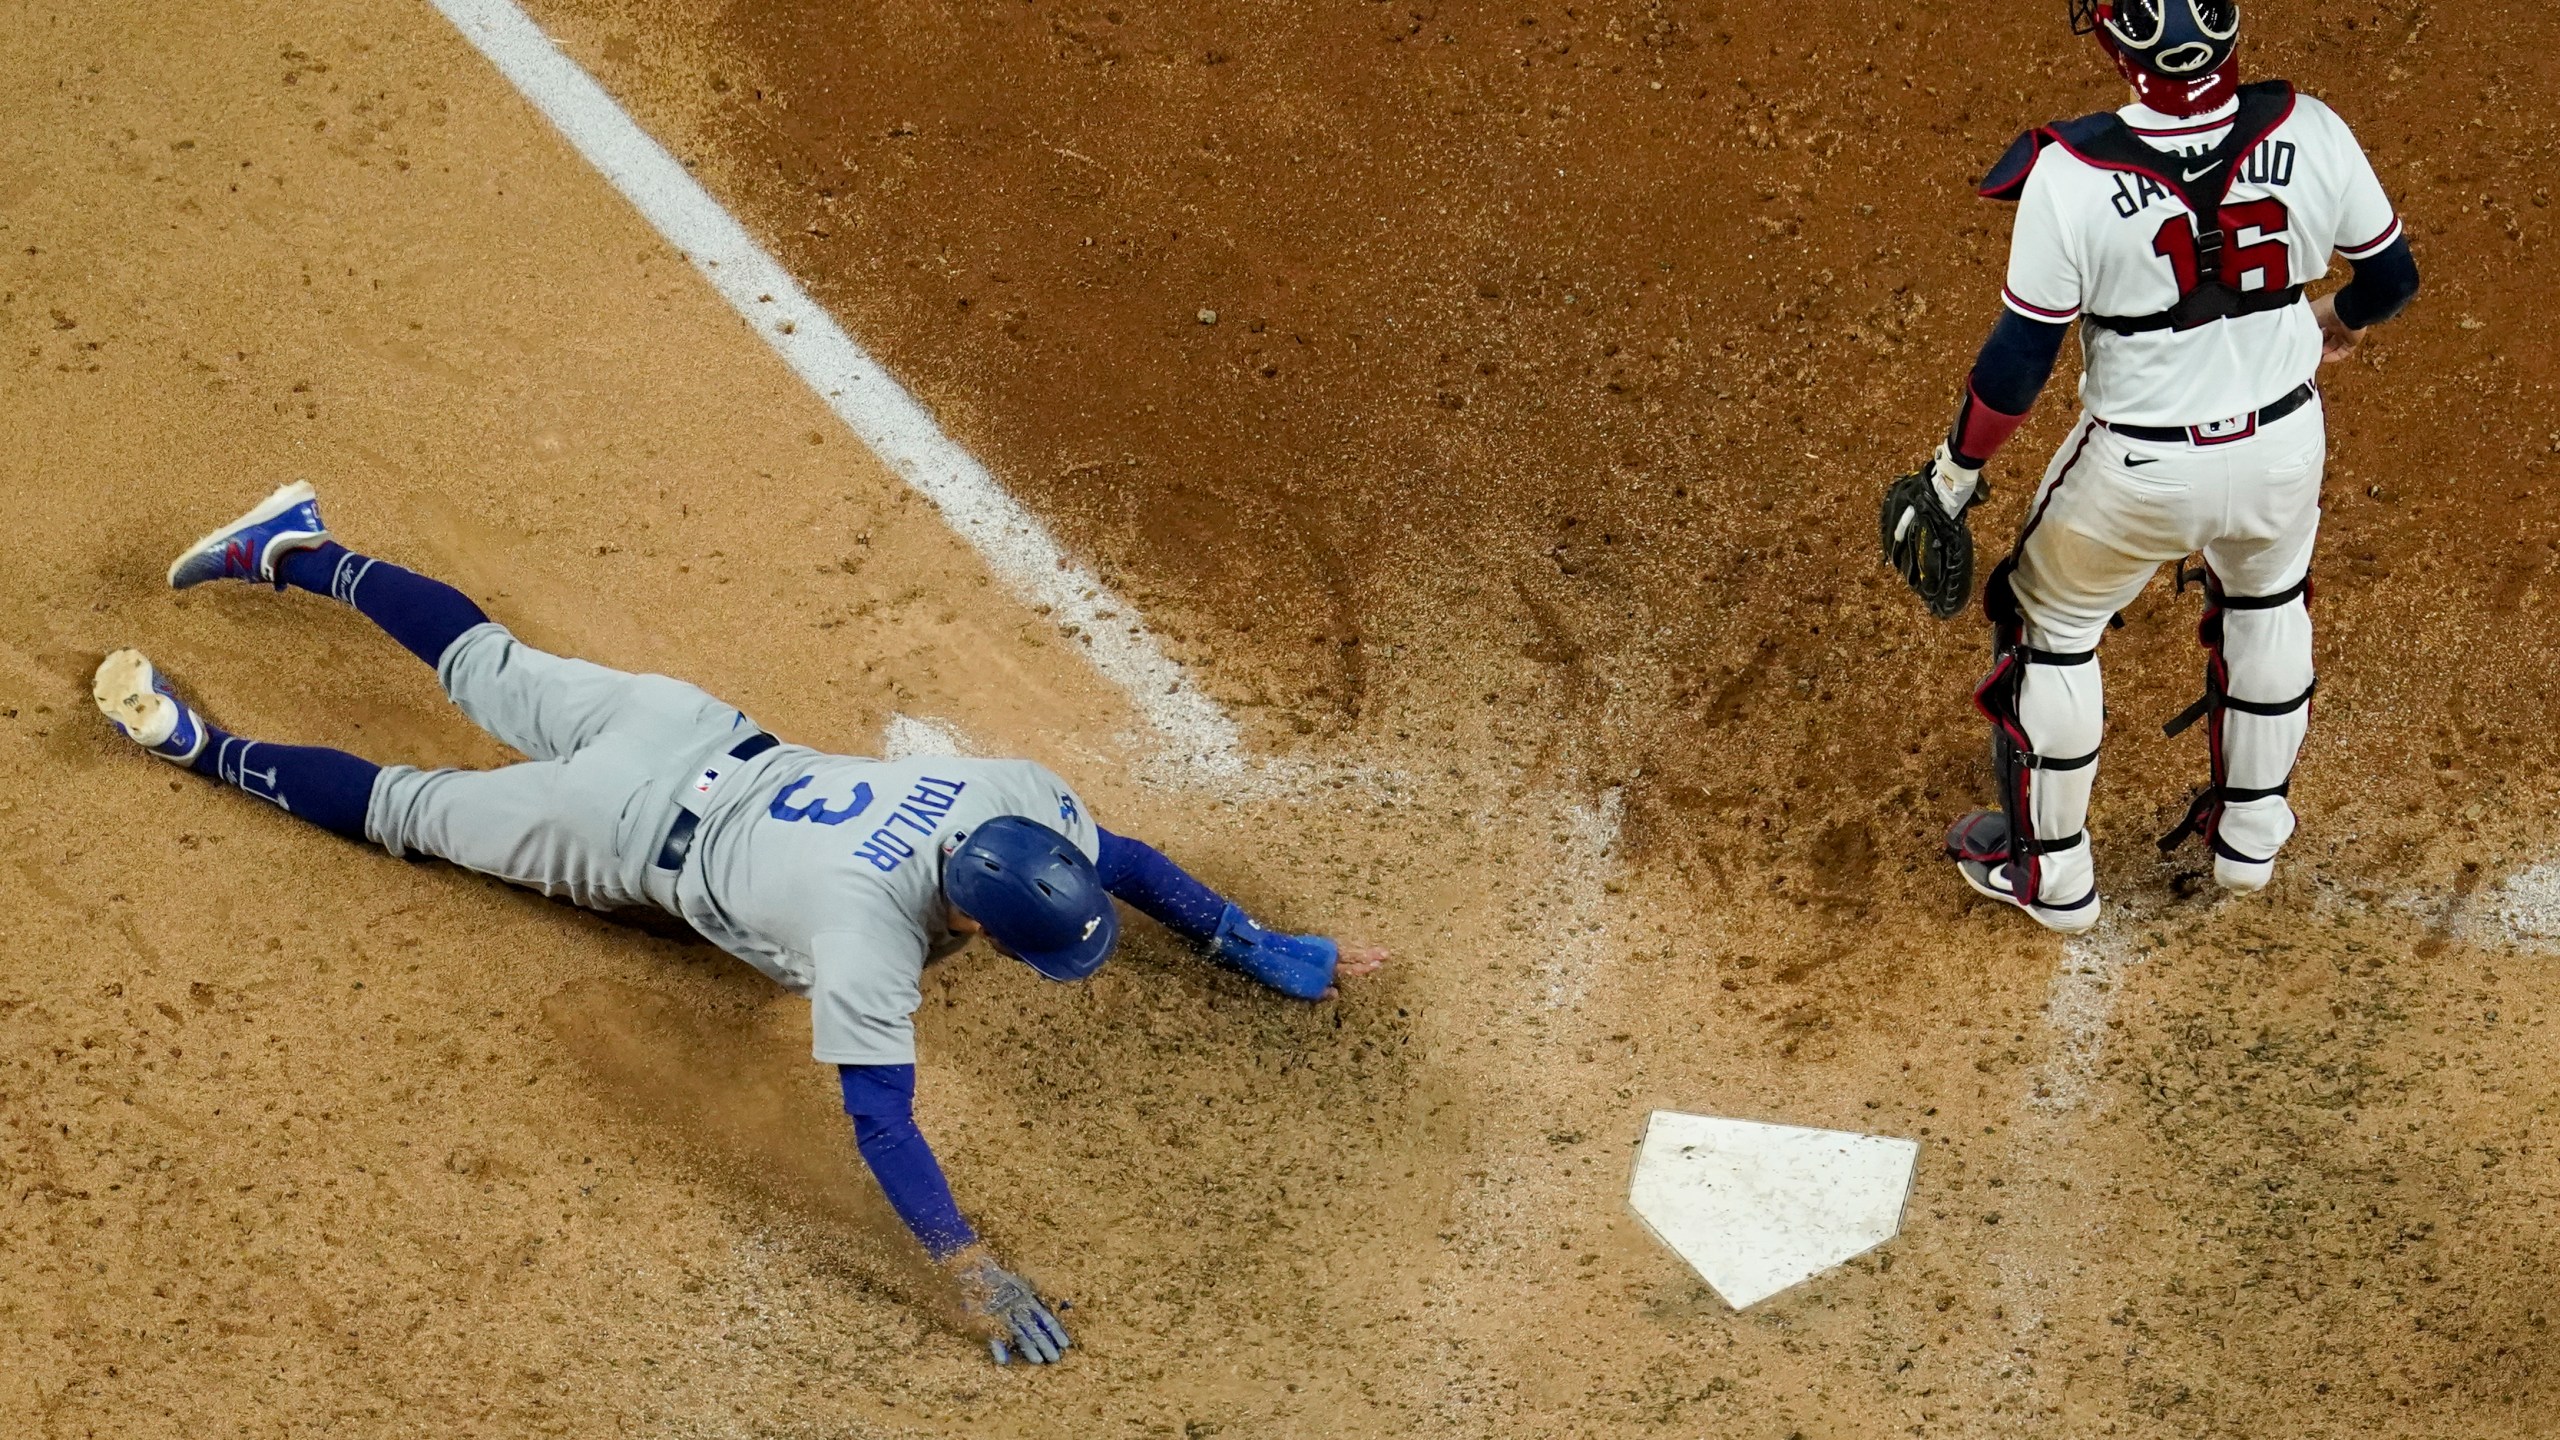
x: 1980, y: 431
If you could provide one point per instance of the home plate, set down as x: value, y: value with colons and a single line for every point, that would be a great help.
x: 1756, y: 1208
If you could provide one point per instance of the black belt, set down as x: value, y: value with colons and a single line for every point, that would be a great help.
x: 2244, y: 426
x: 680, y: 834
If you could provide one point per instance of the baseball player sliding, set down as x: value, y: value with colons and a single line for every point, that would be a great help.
x: 841, y: 878
x: 2179, y: 231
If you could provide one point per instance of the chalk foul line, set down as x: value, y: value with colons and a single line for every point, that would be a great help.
x: 1199, y: 737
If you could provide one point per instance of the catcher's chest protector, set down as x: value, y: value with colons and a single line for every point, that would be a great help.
x: 2201, y: 182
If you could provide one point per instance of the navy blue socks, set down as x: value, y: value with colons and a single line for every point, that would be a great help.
x: 330, y: 788
x: 425, y: 616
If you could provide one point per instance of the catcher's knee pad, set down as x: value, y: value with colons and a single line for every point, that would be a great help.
x: 2047, y: 716
x: 2257, y: 705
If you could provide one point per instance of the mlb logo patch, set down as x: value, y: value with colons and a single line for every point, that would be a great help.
x: 709, y: 779
x: 2223, y: 432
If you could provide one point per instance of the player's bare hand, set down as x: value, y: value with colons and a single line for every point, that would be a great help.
x: 1002, y: 1309
x: 1357, y: 960
x: 2337, y: 342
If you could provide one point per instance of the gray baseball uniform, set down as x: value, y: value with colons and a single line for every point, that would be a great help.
x: 823, y: 871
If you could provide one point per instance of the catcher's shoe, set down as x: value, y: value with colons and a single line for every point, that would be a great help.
x: 1299, y: 965
x: 142, y: 704
x: 1979, y: 844
x: 2242, y: 876
x: 249, y: 547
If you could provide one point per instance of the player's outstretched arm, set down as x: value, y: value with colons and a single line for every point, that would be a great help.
x: 1304, y: 967
x: 1001, y: 1307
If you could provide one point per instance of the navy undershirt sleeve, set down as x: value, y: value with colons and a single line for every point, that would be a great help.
x: 2016, y: 361
x: 2383, y: 286
x: 1140, y: 874
x: 881, y: 1100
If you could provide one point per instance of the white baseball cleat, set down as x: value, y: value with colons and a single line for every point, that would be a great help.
x: 146, y: 708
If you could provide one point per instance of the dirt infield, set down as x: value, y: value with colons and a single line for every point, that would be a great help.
x: 1529, y: 462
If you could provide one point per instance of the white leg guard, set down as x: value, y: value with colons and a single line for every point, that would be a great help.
x: 2063, y: 710
x: 2257, y: 705
x: 2047, y: 713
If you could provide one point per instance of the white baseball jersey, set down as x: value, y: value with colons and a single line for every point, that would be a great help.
x: 825, y: 872
x: 2106, y: 242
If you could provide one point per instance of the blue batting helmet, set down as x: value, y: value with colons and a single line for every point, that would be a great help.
x: 2176, y: 53
x: 1035, y: 894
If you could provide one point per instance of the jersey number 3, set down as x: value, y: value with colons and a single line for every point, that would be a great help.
x: 818, y: 812
x: 2261, y: 222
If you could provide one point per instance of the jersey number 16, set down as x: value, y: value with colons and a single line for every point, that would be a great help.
x: 2260, y: 222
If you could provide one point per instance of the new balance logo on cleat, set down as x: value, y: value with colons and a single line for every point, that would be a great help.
x: 249, y: 547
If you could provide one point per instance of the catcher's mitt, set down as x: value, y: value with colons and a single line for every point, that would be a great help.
x: 1932, y: 549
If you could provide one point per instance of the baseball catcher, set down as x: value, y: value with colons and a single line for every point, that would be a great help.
x: 840, y: 878
x: 2178, y: 231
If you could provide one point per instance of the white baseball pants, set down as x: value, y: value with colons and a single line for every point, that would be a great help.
x: 583, y: 817
x: 2110, y: 512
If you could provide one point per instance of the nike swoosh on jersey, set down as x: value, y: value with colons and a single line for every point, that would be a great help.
x: 2206, y: 170
x: 2142, y: 460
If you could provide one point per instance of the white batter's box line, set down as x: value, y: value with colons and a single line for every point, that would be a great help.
x: 907, y: 736
x: 1200, y: 740
x: 2080, y: 1006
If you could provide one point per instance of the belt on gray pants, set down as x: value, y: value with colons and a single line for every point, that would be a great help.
x: 688, y: 820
